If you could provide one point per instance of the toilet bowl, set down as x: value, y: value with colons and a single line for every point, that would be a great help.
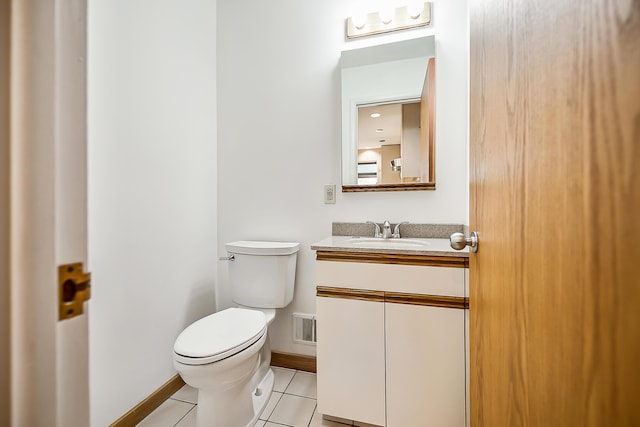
x: 226, y: 355
x: 219, y: 355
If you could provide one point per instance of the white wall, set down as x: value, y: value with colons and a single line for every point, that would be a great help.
x: 152, y: 190
x: 156, y: 194
x: 279, y: 131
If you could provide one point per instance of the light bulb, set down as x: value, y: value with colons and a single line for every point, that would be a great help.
x: 386, y: 15
x: 415, y: 9
x: 359, y: 20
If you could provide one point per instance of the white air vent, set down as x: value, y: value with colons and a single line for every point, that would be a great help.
x: 304, y: 328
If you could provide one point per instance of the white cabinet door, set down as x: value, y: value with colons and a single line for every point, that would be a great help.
x: 351, y: 359
x: 425, y: 366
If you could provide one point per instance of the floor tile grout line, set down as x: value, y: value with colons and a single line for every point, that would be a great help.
x: 315, y: 411
x: 289, y: 383
x: 291, y: 380
x: 180, y: 420
x: 274, y: 406
x: 291, y: 394
x: 303, y: 397
x: 183, y: 401
x: 299, y: 395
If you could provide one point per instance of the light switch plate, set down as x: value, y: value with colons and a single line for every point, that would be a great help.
x: 330, y: 193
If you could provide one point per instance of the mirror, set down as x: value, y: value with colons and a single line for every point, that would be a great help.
x: 388, y: 122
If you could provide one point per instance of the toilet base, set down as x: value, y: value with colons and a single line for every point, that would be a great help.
x: 260, y: 395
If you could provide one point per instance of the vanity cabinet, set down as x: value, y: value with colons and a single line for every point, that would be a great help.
x: 351, y: 359
x: 391, y: 339
x: 425, y: 374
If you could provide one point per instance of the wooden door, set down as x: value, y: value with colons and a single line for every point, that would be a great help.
x: 555, y: 198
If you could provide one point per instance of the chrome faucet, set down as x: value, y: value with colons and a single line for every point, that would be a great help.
x: 377, y: 232
x: 386, y: 230
x: 396, y: 230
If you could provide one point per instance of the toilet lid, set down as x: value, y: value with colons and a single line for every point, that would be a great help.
x: 219, y: 335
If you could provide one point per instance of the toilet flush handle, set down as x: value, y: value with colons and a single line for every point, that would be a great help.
x: 227, y: 258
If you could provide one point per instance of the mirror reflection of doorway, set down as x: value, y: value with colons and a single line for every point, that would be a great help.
x: 367, y: 173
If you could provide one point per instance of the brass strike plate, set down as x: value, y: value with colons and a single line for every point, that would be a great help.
x: 74, y: 288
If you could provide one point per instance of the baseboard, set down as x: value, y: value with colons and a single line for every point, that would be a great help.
x: 148, y: 405
x: 293, y: 361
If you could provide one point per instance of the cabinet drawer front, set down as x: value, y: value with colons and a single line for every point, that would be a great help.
x: 351, y: 360
x: 446, y: 281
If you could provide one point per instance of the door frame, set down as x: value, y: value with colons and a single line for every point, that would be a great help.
x: 31, y: 210
x: 5, y: 61
x: 46, y: 113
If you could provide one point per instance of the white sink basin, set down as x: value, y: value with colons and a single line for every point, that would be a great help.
x: 371, y: 242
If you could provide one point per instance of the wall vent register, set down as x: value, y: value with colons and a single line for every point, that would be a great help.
x: 304, y: 328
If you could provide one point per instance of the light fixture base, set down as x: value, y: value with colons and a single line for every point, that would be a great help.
x: 402, y: 19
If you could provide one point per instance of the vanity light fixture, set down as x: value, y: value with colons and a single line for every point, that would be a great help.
x: 375, y: 115
x: 416, y: 14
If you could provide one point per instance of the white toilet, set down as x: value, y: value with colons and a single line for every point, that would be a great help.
x: 226, y: 355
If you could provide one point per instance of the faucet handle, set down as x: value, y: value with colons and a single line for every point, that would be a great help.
x: 377, y: 232
x: 396, y: 229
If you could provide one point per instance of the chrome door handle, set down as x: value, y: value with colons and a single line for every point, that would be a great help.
x: 459, y: 241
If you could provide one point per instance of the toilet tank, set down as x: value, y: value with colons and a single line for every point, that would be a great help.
x: 262, y: 274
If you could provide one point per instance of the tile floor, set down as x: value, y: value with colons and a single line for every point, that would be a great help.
x: 292, y: 403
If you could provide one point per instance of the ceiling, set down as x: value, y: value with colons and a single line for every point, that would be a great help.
x: 390, y: 121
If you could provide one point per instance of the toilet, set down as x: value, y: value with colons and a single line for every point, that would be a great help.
x: 226, y: 355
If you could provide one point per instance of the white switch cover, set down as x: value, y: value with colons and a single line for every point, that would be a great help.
x: 330, y: 193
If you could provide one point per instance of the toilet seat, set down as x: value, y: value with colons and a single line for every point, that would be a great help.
x: 219, y: 336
